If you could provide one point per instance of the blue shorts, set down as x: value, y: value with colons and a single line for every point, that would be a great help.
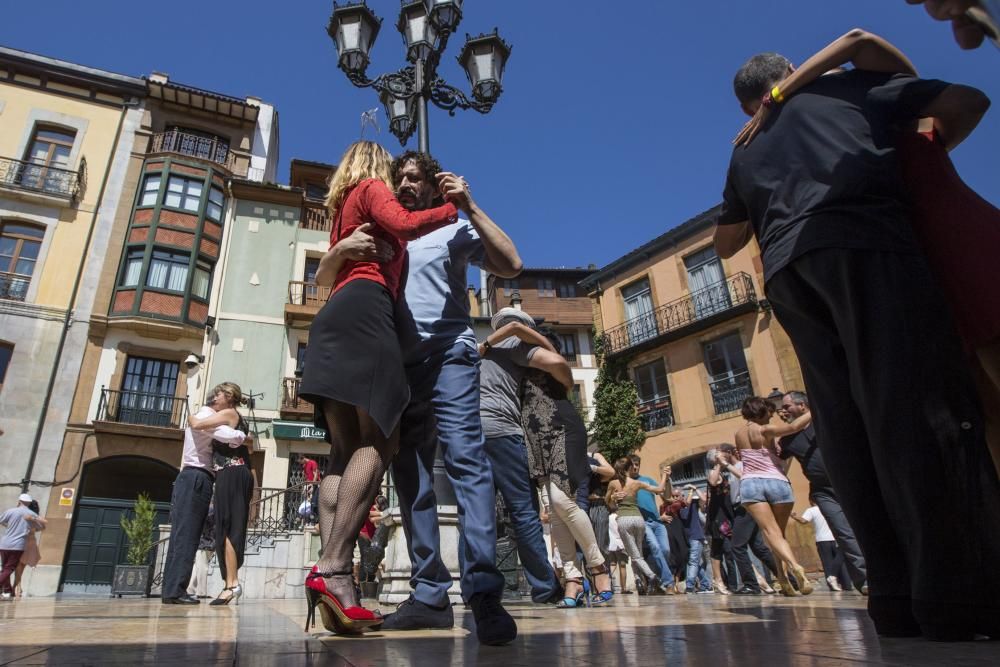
x: 762, y: 490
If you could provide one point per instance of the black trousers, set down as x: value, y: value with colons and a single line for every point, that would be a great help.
x: 747, y: 537
x: 847, y: 545
x: 833, y: 562
x: 898, y: 422
x: 189, y: 503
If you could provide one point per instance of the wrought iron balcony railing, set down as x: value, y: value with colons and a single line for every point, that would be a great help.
x: 14, y: 287
x: 307, y: 294
x: 204, y: 148
x: 49, y: 180
x: 728, y: 393
x: 317, y: 219
x: 142, y: 408
x: 290, y: 401
x: 656, y: 414
x: 702, y: 304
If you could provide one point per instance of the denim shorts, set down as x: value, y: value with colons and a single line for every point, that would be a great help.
x: 762, y: 490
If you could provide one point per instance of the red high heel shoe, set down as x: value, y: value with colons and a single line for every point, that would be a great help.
x: 336, y: 617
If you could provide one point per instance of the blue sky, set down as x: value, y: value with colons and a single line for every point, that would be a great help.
x: 616, y: 119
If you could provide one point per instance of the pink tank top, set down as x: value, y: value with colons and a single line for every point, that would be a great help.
x: 761, y: 464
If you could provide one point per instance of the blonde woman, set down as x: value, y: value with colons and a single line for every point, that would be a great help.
x: 354, y: 373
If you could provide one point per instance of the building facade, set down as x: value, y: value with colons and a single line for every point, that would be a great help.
x: 65, y: 137
x: 143, y: 367
x: 699, y: 338
x: 554, y: 297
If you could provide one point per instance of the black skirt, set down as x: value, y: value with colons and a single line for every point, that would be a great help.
x: 233, y: 488
x: 354, y: 356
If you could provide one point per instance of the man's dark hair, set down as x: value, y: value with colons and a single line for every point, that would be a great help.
x: 727, y: 448
x: 799, y: 397
x: 425, y: 162
x: 552, y: 337
x: 635, y: 458
x: 756, y: 408
x: 758, y: 75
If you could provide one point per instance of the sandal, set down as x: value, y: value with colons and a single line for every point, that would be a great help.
x: 570, y: 602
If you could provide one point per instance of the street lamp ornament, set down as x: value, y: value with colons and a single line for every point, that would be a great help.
x: 425, y: 26
x: 353, y: 28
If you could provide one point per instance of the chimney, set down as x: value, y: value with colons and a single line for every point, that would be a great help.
x: 159, y: 77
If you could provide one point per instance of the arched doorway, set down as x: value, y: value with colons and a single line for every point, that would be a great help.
x: 108, y: 490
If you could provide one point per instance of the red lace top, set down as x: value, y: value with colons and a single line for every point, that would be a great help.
x: 372, y: 201
x: 960, y: 233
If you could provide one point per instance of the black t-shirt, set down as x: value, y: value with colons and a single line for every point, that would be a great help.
x: 802, y: 446
x: 822, y: 173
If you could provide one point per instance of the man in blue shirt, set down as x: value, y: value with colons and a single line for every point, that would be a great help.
x: 656, y: 532
x: 442, y: 366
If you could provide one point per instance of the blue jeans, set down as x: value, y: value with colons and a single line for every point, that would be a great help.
x: 510, y: 473
x: 444, y: 411
x: 659, y: 549
x: 696, y: 567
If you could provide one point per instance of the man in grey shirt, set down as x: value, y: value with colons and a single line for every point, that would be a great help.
x: 20, y: 522
x: 517, y: 347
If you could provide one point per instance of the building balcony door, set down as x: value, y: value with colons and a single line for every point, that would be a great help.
x: 707, y: 282
x: 148, y: 392
x: 728, y: 375
x: 641, y: 321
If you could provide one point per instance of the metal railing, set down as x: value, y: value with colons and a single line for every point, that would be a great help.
x: 205, y: 148
x: 46, y: 179
x: 679, y: 313
x: 656, y: 414
x: 316, y: 219
x: 14, y: 287
x: 301, y: 293
x: 290, y: 396
x: 275, y: 512
x: 142, y: 408
x: 728, y: 393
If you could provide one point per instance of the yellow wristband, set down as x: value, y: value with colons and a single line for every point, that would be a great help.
x: 777, y: 95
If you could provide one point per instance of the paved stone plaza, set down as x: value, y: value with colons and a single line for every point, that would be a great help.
x: 823, y: 629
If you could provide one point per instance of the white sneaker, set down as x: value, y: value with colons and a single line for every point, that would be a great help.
x: 834, y: 584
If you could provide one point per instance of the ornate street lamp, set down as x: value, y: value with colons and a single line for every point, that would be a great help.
x: 425, y: 26
x: 353, y: 28
x: 445, y: 14
x: 483, y: 60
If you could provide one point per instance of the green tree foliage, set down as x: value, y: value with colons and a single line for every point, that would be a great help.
x: 616, y: 426
x: 139, y: 530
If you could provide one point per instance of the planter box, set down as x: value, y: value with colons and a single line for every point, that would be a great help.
x: 131, y: 580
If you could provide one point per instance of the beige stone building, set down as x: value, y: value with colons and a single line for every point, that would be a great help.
x: 699, y: 338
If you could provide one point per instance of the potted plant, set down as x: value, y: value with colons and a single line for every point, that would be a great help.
x: 134, y: 577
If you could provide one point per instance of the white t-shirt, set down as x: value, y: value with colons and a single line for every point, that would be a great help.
x: 823, y: 533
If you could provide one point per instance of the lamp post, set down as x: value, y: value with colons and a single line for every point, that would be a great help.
x: 425, y: 26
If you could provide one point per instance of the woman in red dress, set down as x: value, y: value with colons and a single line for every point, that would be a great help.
x: 354, y: 374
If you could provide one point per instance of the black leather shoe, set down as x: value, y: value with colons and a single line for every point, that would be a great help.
x: 184, y: 599
x: 747, y: 590
x: 411, y: 614
x: 494, y: 626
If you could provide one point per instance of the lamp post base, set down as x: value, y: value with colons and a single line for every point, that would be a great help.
x: 396, y: 573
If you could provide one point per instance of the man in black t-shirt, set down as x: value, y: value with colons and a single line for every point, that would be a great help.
x: 895, y: 408
x: 805, y: 449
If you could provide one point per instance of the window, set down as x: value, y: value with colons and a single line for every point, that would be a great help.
x: 300, y: 358
x: 215, y: 204
x: 184, y: 193
x: 707, y: 283
x: 728, y: 375
x: 310, y: 291
x: 150, y: 190
x: 638, y: 300
x: 569, y: 346
x: 147, y: 395
x: 546, y: 287
x: 651, y: 382
x: 19, y: 247
x: 133, y: 267
x: 6, y: 352
x: 201, y: 281
x: 510, y: 286
x: 316, y: 190
x: 168, y: 270
x: 567, y: 290
x: 655, y: 408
